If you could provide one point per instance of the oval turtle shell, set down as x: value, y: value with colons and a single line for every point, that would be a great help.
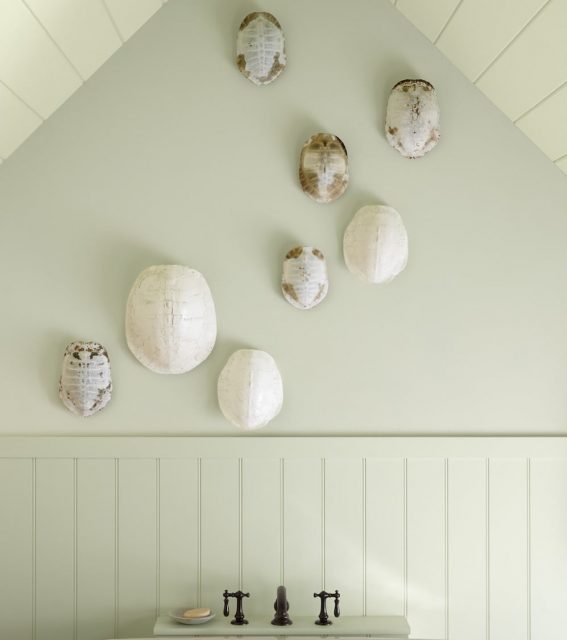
x: 304, y: 279
x: 323, y: 167
x: 412, y: 118
x: 250, y: 389
x: 375, y: 244
x: 171, y: 324
x: 85, y: 386
x: 260, y: 48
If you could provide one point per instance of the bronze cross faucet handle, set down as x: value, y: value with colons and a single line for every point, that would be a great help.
x: 239, y: 615
x: 323, y: 615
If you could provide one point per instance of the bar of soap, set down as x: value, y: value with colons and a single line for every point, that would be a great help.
x: 197, y: 613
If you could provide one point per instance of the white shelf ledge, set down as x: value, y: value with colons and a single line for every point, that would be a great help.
x: 345, y: 626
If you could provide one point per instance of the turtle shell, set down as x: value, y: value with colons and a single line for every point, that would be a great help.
x: 260, y: 48
x: 250, y: 389
x: 171, y: 324
x: 375, y: 244
x: 85, y: 386
x: 304, y: 279
x: 323, y: 167
x: 412, y: 118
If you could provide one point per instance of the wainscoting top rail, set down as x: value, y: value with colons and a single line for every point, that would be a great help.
x: 283, y: 447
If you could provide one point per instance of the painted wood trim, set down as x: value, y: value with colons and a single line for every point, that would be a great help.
x: 285, y: 447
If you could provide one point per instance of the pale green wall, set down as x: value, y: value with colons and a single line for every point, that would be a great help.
x: 168, y: 155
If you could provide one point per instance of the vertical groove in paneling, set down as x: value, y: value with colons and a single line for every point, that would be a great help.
x: 199, y: 533
x: 75, y: 549
x: 282, y: 521
x: 529, y: 547
x: 323, y: 523
x: 116, y: 546
x: 487, y: 549
x: 34, y: 549
x: 487, y: 482
x: 405, y: 537
x: 158, y: 530
x: 446, y: 515
x: 364, y: 536
x: 240, y: 523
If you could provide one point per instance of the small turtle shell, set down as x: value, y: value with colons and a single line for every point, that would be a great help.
x: 85, y: 386
x: 260, y: 48
x: 375, y: 244
x: 304, y: 279
x: 412, y: 118
x: 250, y: 389
x: 323, y: 167
x: 171, y: 324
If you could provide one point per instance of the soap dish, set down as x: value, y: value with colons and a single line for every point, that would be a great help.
x: 177, y: 615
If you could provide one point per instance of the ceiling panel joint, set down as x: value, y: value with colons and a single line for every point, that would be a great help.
x: 56, y: 44
x: 509, y: 44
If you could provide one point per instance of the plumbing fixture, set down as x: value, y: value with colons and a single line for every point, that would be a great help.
x: 281, y: 607
x: 239, y: 615
x: 323, y: 615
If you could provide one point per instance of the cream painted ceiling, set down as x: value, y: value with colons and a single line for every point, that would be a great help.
x: 48, y: 48
x: 514, y: 51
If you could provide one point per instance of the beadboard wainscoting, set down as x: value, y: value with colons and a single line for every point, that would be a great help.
x: 465, y: 536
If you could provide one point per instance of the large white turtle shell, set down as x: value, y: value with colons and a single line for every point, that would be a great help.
x: 323, y: 167
x: 171, y: 324
x: 412, y: 118
x: 260, y: 48
x: 250, y: 389
x: 85, y: 386
x: 375, y: 244
x: 304, y: 279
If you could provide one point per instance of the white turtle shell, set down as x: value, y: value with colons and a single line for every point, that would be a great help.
x: 250, y: 389
x: 260, y: 48
x: 412, y: 118
x: 304, y: 280
x: 375, y: 244
x: 85, y: 386
x: 323, y: 167
x: 171, y: 324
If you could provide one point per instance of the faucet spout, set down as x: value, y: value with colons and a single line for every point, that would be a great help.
x: 281, y: 607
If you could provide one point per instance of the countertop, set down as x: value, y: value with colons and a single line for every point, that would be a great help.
x: 345, y: 626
